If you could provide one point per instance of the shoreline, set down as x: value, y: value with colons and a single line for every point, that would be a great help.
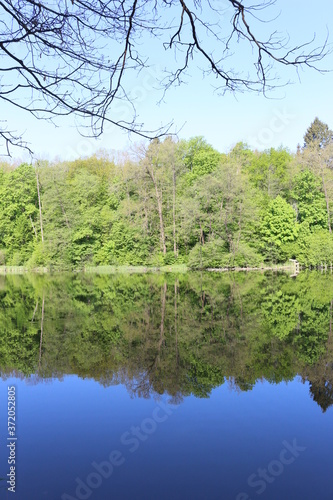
x: 4, y: 270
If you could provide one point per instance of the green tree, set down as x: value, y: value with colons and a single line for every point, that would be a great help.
x: 319, y: 161
x: 199, y: 158
x: 310, y: 200
x: 269, y: 172
x: 18, y: 214
x: 278, y: 227
x: 318, y: 134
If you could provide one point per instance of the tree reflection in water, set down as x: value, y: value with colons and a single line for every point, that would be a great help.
x: 170, y: 334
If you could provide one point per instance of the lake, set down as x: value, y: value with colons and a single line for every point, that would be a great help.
x: 164, y: 387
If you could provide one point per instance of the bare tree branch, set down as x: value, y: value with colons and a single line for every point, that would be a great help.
x: 80, y: 57
x: 9, y: 138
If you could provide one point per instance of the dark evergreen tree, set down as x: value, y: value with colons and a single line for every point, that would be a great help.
x: 318, y: 134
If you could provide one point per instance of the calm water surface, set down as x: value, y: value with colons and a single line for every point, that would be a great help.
x: 161, y: 387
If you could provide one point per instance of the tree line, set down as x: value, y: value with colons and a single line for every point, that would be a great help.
x: 172, y: 202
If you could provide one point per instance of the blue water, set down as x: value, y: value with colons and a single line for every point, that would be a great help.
x: 214, y: 448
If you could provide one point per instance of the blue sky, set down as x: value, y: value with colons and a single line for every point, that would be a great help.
x: 196, y: 109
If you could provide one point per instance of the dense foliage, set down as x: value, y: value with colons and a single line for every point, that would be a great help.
x: 172, y: 203
x: 176, y: 334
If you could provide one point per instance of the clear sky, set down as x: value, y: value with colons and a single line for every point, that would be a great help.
x: 196, y: 110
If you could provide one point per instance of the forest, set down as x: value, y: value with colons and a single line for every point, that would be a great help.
x: 173, y: 202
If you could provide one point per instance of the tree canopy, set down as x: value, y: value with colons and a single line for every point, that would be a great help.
x: 173, y: 202
x: 318, y: 134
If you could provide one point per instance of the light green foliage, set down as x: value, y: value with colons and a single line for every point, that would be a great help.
x: 199, y: 158
x: 316, y: 248
x: 18, y: 214
x: 246, y: 256
x: 278, y: 228
x: 242, y: 154
x: 168, y: 204
x: 212, y: 254
x: 268, y: 171
x: 126, y: 245
x: 281, y: 311
x: 309, y: 199
x: 292, y: 316
x: 168, y: 334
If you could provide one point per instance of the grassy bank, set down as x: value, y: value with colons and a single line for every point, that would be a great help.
x: 182, y: 268
x: 135, y: 269
x: 21, y: 270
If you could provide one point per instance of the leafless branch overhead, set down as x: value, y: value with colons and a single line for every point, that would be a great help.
x: 81, y: 57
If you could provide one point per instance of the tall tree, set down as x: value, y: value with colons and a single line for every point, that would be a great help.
x: 40, y: 207
x: 319, y: 161
x: 310, y: 200
x: 18, y: 214
x: 278, y: 227
x: 153, y: 166
x: 318, y: 134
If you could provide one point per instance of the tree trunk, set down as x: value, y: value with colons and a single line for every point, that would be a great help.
x: 327, y: 203
x: 227, y: 230
x: 161, y: 339
x: 176, y: 321
x: 61, y: 205
x: 163, y: 301
x: 146, y: 211
x: 159, y: 207
x: 40, y: 209
x: 41, y: 336
x: 202, y: 237
x: 34, y: 313
x: 174, y: 209
x: 33, y: 227
x: 240, y: 229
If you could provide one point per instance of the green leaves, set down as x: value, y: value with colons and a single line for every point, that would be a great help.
x: 126, y: 245
x: 269, y: 171
x: 177, y: 334
x: 18, y: 214
x: 309, y: 199
x: 318, y: 134
x: 281, y: 311
x: 278, y: 227
x: 316, y: 248
x: 199, y: 158
x: 176, y: 202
